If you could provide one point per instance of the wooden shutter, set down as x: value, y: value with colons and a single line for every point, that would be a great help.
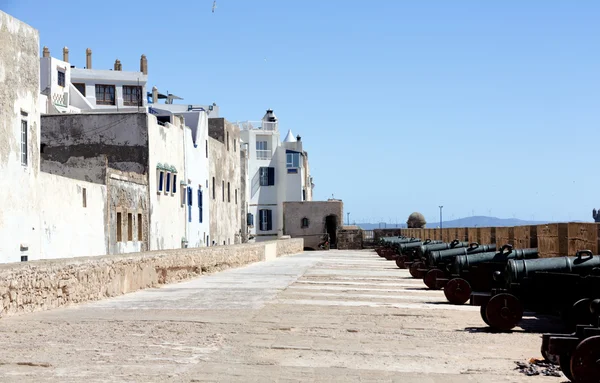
x: 269, y: 219
x: 271, y: 177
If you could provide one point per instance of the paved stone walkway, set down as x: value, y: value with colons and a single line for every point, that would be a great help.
x: 337, y: 316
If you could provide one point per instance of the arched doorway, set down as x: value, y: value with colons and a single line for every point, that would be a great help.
x: 331, y: 224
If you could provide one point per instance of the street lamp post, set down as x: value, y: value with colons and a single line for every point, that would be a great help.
x: 348, y: 214
x: 441, y: 207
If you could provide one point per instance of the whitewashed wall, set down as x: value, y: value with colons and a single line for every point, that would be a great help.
x: 167, y: 215
x: 67, y: 227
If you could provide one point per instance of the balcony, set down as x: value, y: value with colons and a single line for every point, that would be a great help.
x: 257, y: 125
x: 263, y: 154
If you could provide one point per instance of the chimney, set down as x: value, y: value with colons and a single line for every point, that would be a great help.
x: 66, y: 54
x: 298, y: 138
x: 46, y: 52
x: 154, y: 95
x: 118, y: 65
x: 144, y: 64
x: 88, y: 58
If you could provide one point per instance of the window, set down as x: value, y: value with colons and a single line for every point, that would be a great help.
x: 228, y: 192
x: 80, y: 87
x: 168, y: 186
x: 119, y: 238
x: 200, y: 202
x: 234, y: 145
x: 189, y: 193
x: 105, y: 94
x: 206, y: 148
x: 304, y: 222
x: 250, y: 219
x: 174, y: 184
x: 213, y: 189
x: 161, y: 178
x: 129, y: 227
x: 266, y: 223
x: 24, y: 142
x: 303, y: 194
x: 267, y: 176
x: 223, y: 190
x: 293, y: 160
x: 227, y: 141
x: 84, y: 194
x: 236, y: 196
x: 139, y: 227
x: 132, y: 95
x: 61, y: 78
x: 262, y: 151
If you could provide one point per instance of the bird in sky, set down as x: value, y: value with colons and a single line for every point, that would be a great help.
x: 214, y: 6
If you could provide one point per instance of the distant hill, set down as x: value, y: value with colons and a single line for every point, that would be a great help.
x: 475, y: 221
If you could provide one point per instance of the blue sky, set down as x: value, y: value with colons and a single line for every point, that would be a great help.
x: 484, y: 107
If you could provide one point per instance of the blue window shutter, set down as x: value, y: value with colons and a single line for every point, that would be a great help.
x: 160, y: 180
x: 271, y: 176
x: 174, y: 183
x: 200, y: 205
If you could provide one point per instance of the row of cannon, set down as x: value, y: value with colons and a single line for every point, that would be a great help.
x: 506, y: 282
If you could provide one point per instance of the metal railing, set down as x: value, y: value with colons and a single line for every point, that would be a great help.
x: 263, y: 154
x: 368, y: 235
x: 256, y: 125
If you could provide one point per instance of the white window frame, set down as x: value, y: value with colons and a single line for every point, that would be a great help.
x: 262, y: 150
x: 24, y: 139
x: 290, y: 160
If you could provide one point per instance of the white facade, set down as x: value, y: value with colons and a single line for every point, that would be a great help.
x: 19, y: 144
x: 195, y: 175
x: 166, y: 164
x: 72, y: 216
x: 75, y: 90
x: 277, y: 173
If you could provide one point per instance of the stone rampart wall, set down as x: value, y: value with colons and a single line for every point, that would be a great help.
x: 48, y: 284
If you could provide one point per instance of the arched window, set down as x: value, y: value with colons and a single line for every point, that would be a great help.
x: 304, y: 222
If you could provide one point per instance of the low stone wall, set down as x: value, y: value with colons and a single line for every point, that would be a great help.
x: 350, y: 238
x: 47, y: 284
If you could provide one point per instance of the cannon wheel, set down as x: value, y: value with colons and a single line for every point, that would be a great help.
x: 584, y: 365
x: 483, y: 314
x: 564, y: 361
x: 414, y: 270
x: 579, y: 313
x: 504, y: 311
x: 457, y: 291
x: 400, y: 261
x: 431, y: 277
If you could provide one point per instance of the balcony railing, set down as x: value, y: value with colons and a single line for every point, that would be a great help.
x: 257, y: 125
x: 263, y: 154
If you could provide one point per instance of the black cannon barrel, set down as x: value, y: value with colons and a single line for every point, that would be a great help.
x: 437, y: 257
x: 582, y: 263
x: 423, y: 250
x: 464, y: 262
x: 403, y: 247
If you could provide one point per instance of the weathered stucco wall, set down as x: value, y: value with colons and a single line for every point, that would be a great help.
x: 350, y: 238
x: 167, y: 215
x: 122, y: 137
x: 48, y: 284
x: 72, y: 216
x: 225, y: 208
x: 127, y: 197
x: 243, y: 195
x: 19, y: 101
x: 91, y: 169
x: 316, y: 212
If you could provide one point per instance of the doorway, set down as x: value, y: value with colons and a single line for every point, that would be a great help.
x: 331, y: 224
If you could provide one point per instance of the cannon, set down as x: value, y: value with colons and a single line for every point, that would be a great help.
x: 404, y: 251
x: 546, y: 285
x: 439, y: 261
x: 474, y: 272
x: 387, y: 245
x: 418, y: 265
x: 578, y: 353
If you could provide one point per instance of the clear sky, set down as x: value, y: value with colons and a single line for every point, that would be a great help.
x: 485, y: 107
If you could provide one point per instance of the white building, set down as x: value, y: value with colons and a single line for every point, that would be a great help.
x: 278, y: 172
x: 195, y: 175
x: 73, y: 90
